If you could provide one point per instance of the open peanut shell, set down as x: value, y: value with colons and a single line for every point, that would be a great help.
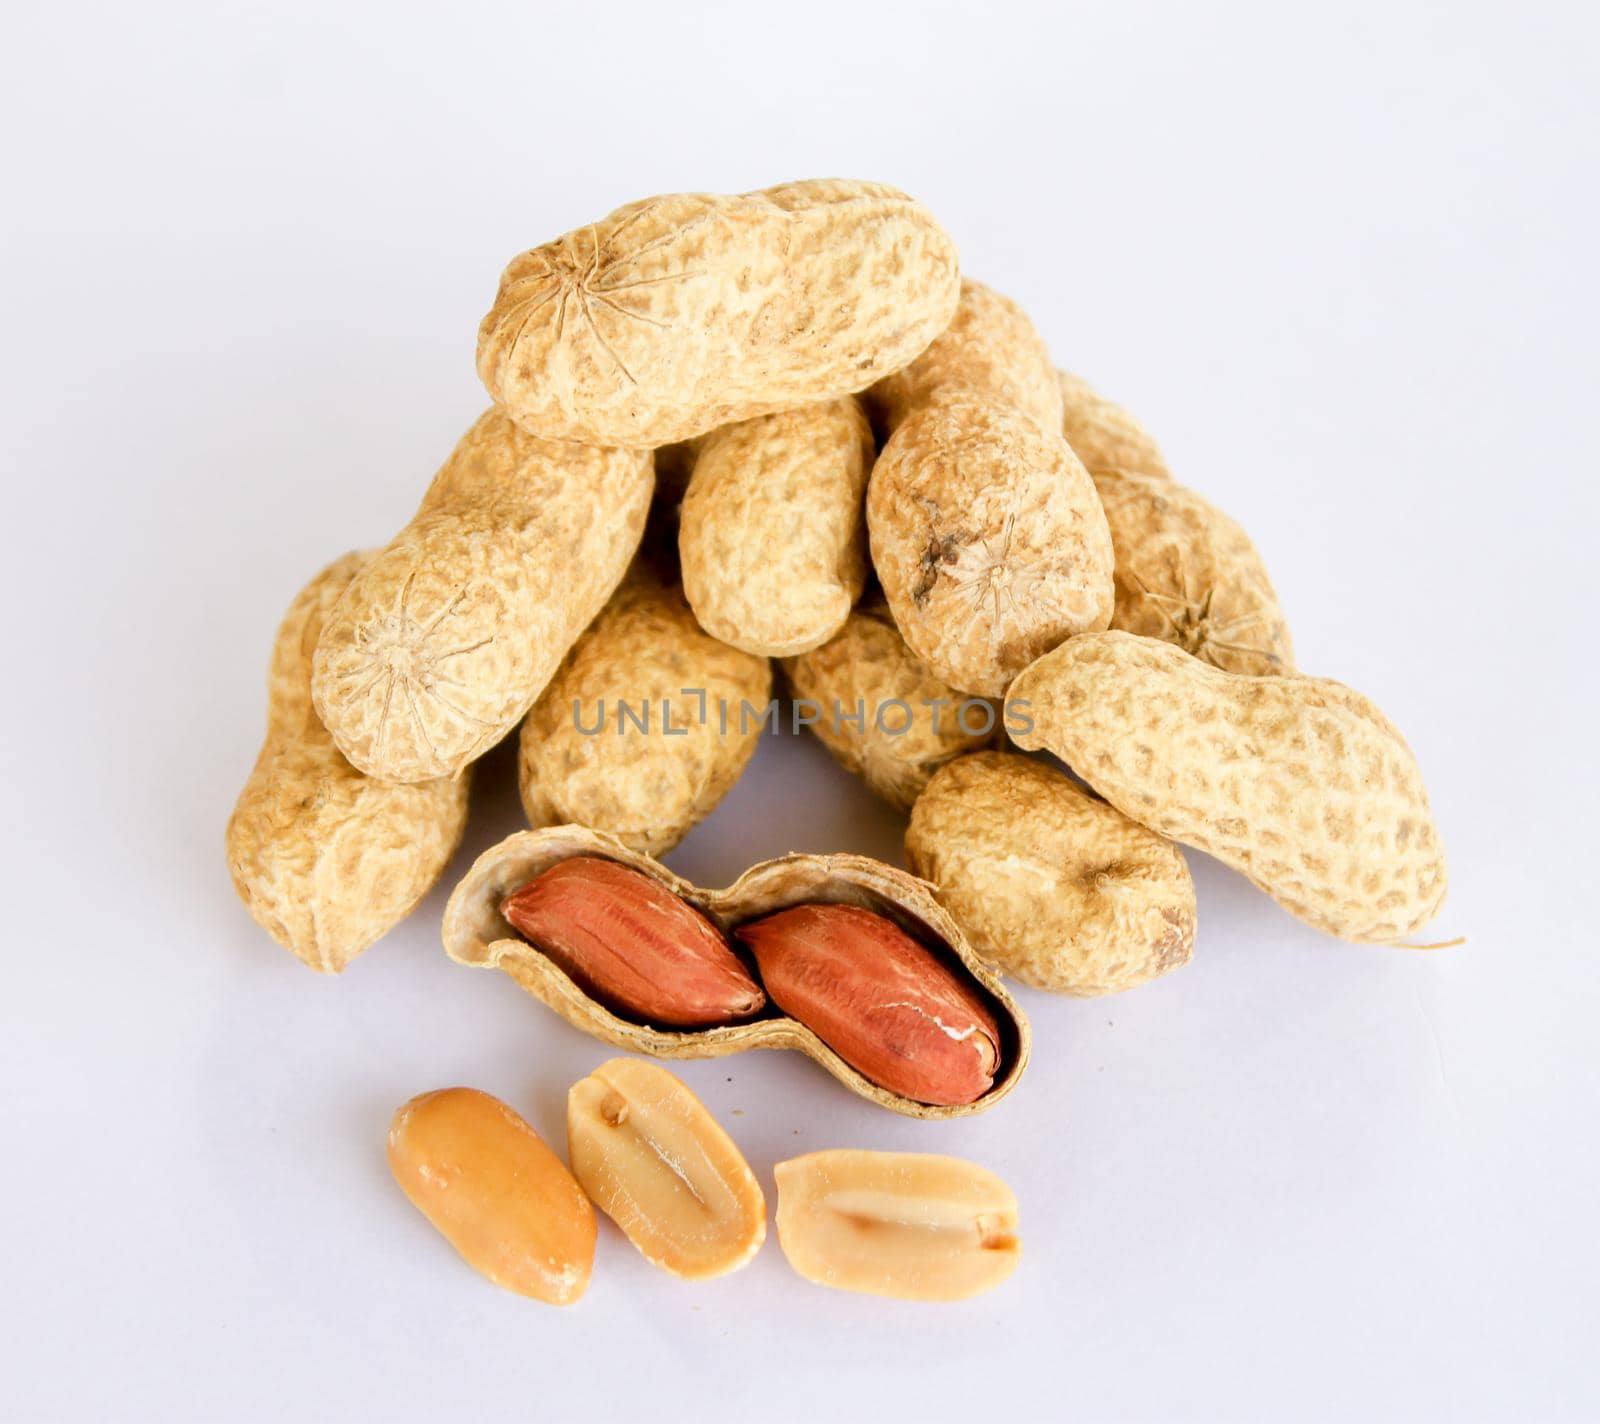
x: 475, y: 934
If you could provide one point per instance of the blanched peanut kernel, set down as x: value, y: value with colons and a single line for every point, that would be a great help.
x: 906, y: 1224
x: 498, y: 1194
x: 659, y: 1165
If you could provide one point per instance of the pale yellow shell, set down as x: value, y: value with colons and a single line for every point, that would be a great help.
x: 1299, y: 783
x: 771, y: 538
x: 1104, y: 435
x: 1188, y: 574
x: 324, y: 858
x: 1052, y: 886
x: 880, y: 712
x: 443, y: 641
x: 584, y: 756
x: 989, y: 541
x: 475, y: 934
x: 684, y: 312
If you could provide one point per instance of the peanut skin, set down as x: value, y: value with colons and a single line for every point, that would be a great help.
x: 1051, y: 885
x: 772, y: 542
x: 634, y: 945
x: 879, y: 999
x: 444, y: 640
x: 684, y: 312
x: 326, y: 859
x: 1299, y: 783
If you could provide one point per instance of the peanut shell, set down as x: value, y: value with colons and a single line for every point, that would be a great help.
x: 475, y: 934
x: 657, y: 1163
x: 326, y: 859
x: 989, y: 540
x: 1103, y: 435
x: 772, y: 542
x: 443, y: 641
x: 910, y: 724
x: 680, y: 313
x: 1299, y: 783
x: 1188, y: 574
x: 583, y: 755
x: 1052, y: 886
x: 913, y: 1225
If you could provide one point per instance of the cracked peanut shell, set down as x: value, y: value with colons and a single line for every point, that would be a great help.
x: 1188, y: 574
x: 476, y: 934
x: 771, y: 537
x: 1053, y: 886
x: 326, y: 859
x: 643, y: 660
x: 910, y: 724
x: 444, y: 640
x: 680, y: 313
x: 1299, y: 783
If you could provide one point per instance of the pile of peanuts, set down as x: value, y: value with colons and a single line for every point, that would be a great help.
x: 783, y: 426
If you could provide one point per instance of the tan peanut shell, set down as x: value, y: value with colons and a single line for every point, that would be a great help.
x: 1103, y: 435
x: 771, y: 538
x: 649, y: 787
x: 912, y: 1225
x: 444, y: 640
x: 324, y: 858
x: 684, y: 312
x: 1299, y: 783
x: 1052, y: 886
x: 476, y: 935
x: 990, y: 349
x: 652, y: 1157
x: 911, y: 723
x: 989, y: 541
x: 1189, y: 575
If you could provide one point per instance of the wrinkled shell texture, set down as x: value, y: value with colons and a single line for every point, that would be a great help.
x: 681, y: 313
x: 327, y: 859
x: 867, y: 666
x: 444, y: 640
x: 772, y: 543
x: 1052, y: 886
x: 1299, y: 783
x: 476, y: 934
x: 989, y: 349
x: 648, y: 788
x: 989, y: 540
x: 1104, y: 435
x: 1187, y: 574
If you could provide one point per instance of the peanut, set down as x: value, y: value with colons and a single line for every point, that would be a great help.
x: 633, y: 944
x: 496, y: 1192
x: 443, y: 641
x: 880, y: 712
x: 1188, y: 574
x: 326, y: 859
x: 1299, y: 783
x: 644, y: 728
x: 659, y: 1165
x: 681, y: 313
x: 1051, y: 885
x: 772, y: 542
x: 881, y: 1001
x: 910, y: 1225
x: 1103, y: 435
x: 985, y: 530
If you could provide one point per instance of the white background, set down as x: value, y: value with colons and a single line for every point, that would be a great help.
x: 1343, y: 265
